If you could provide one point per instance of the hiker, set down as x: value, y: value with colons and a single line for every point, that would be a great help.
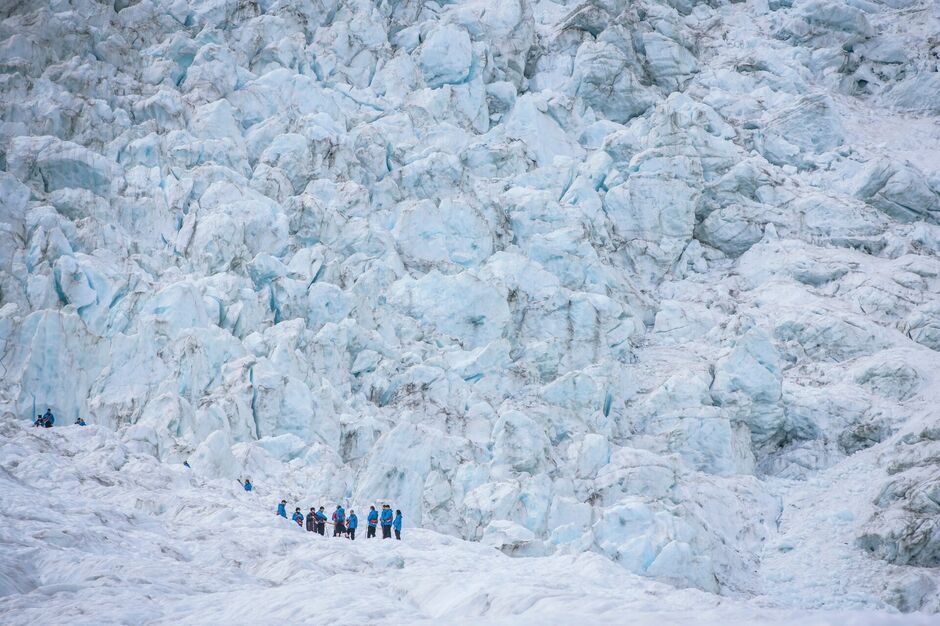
x: 373, y: 520
x: 339, y: 521
x: 48, y: 419
x: 312, y: 520
x: 396, y: 524
x: 282, y: 509
x: 38, y: 422
x: 353, y: 524
x: 298, y: 517
x: 80, y: 422
x: 186, y: 464
x: 247, y: 484
x: 386, y: 521
x: 321, y: 521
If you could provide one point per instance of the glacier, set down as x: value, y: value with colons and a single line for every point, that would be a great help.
x: 645, y: 290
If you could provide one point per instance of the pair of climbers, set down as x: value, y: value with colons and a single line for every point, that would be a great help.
x: 339, y: 521
x: 80, y: 422
x: 313, y: 521
x: 344, y: 526
x: 316, y: 521
x: 390, y: 522
x: 46, y: 420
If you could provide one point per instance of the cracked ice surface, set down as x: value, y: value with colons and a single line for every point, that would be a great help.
x: 653, y: 280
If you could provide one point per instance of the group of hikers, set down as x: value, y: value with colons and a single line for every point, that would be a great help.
x: 316, y: 520
x: 344, y: 526
x: 47, y: 419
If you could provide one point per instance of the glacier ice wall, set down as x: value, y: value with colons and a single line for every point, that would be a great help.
x: 561, y: 276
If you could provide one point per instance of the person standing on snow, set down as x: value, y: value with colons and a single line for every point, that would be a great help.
x: 353, y: 524
x: 48, y: 419
x: 312, y: 520
x: 386, y: 521
x: 373, y: 520
x: 247, y: 484
x: 339, y: 521
x: 298, y: 517
x: 38, y: 422
x: 321, y: 521
x: 282, y: 509
x: 396, y: 524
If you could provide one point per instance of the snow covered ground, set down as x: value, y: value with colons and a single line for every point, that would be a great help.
x: 93, y: 533
x: 647, y: 290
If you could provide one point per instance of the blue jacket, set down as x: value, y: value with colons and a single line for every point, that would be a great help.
x: 397, y: 523
x: 247, y: 486
x: 281, y: 510
x: 373, y: 518
x: 353, y: 521
x: 321, y: 516
x: 339, y: 515
x: 298, y: 517
x: 387, y: 517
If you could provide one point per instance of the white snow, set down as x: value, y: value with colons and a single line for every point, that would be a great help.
x: 97, y: 533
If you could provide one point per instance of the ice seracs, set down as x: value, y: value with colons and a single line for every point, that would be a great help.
x: 654, y: 281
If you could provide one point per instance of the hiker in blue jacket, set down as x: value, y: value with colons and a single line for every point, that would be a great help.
x: 321, y: 521
x: 282, y: 509
x: 396, y: 524
x: 80, y: 422
x: 38, y: 421
x: 386, y: 520
x: 353, y: 524
x: 247, y: 484
x: 373, y: 520
x: 48, y: 419
x: 339, y: 521
x: 298, y: 517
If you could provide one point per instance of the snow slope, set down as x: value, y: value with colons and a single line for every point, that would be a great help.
x: 654, y: 282
x: 94, y: 533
